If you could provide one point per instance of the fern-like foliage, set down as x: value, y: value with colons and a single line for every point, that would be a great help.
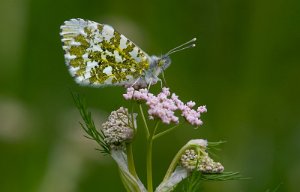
x: 194, y: 181
x: 88, y: 126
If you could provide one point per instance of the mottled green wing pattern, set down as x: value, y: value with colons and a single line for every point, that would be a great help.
x: 98, y: 55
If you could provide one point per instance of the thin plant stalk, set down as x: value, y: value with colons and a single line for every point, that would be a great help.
x: 149, y: 158
x: 164, y: 132
x: 130, y: 159
x: 144, y: 120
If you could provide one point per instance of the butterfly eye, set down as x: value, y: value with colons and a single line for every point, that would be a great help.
x: 161, y: 63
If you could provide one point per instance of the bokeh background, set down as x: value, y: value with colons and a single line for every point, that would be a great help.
x: 245, y: 68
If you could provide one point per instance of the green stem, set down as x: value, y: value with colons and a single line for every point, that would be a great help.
x: 149, y: 158
x: 125, y: 184
x: 174, y: 162
x: 149, y: 166
x: 130, y: 160
x: 164, y: 132
x: 144, y: 120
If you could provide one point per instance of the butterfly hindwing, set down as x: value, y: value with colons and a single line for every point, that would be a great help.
x: 98, y: 55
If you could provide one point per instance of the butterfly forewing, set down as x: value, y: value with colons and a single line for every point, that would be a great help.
x: 98, y: 55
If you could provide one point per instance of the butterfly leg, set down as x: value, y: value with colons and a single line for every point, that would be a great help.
x: 163, y: 78
x: 150, y: 83
x: 161, y: 82
x: 137, y: 80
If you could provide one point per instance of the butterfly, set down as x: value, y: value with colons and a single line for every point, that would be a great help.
x: 98, y: 55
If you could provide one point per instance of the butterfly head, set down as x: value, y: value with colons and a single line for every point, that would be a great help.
x: 164, y: 62
x: 158, y: 64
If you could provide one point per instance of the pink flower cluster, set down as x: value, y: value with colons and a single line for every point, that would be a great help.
x: 163, y: 106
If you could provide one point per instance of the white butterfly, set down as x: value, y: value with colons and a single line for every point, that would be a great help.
x: 98, y: 55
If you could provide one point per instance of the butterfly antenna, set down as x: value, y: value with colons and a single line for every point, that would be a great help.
x: 183, y: 46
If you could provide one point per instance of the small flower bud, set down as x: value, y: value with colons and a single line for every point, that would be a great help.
x: 119, y: 128
x: 189, y: 159
x: 196, y: 157
x: 202, y: 109
x: 208, y: 165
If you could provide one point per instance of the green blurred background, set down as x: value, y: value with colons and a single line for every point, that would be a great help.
x: 245, y: 68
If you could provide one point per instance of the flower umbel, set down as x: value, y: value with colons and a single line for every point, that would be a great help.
x: 119, y: 128
x: 196, y: 157
x: 164, y: 105
x: 191, y: 158
x: 208, y: 165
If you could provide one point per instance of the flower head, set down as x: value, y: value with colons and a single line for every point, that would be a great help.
x: 164, y: 105
x: 138, y: 95
x: 195, y: 157
x: 189, y: 159
x: 119, y: 128
x: 208, y: 165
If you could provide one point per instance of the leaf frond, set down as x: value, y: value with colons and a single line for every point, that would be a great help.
x: 89, y: 126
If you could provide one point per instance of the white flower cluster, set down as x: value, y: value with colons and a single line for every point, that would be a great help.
x: 208, y: 165
x: 191, y: 159
x: 119, y: 127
